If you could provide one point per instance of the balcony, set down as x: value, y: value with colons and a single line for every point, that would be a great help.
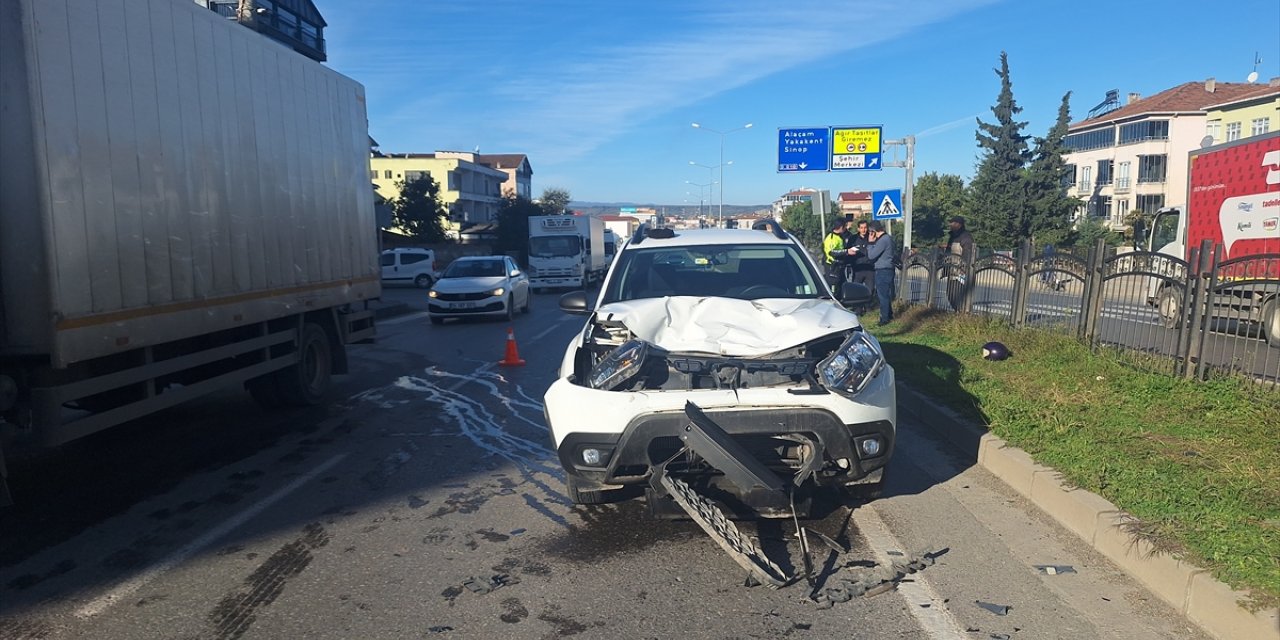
x: 1122, y: 185
x: 1084, y: 186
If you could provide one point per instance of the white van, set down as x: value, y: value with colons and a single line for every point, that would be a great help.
x: 409, y: 266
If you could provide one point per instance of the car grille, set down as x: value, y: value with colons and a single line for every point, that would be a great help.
x: 461, y: 297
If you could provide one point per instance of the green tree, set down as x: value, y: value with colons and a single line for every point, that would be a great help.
x: 1089, y: 230
x: 418, y: 211
x: 513, y: 226
x: 554, y: 201
x: 802, y: 223
x: 998, y: 192
x: 936, y: 198
x: 1049, y: 207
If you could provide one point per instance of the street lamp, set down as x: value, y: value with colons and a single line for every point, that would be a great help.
x: 722, y: 163
x: 700, y: 188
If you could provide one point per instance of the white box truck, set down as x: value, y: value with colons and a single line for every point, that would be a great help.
x: 184, y: 207
x: 566, y: 251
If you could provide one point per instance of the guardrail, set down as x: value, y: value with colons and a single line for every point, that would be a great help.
x: 1196, y: 318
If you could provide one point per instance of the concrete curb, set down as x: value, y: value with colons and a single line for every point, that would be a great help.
x: 1193, y: 591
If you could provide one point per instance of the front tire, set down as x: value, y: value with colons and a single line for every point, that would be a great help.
x: 1271, y: 322
x: 511, y: 307
x: 1169, y: 307
x: 528, y: 302
x: 423, y: 281
x: 306, y: 381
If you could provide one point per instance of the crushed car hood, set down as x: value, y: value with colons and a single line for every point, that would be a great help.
x: 728, y: 326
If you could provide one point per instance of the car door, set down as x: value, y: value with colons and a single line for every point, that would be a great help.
x: 388, y: 262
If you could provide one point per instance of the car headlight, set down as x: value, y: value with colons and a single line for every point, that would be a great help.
x: 432, y: 294
x: 620, y: 365
x: 850, y: 367
x: 497, y: 292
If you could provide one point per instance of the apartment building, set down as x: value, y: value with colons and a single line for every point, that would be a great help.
x: 470, y: 190
x: 1252, y: 114
x: 297, y: 24
x: 855, y: 203
x: 803, y: 194
x: 1134, y: 157
x: 519, y: 173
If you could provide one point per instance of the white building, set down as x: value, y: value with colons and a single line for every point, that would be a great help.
x: 1134, y: 158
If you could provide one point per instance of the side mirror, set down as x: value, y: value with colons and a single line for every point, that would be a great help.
x: 575, y: 302
x: 515, y: 272
x: 855, y: 294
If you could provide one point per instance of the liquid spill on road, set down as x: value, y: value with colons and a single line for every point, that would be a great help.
x: 497, y: 417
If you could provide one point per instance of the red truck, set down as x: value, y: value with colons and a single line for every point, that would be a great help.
x: 1233, y: 201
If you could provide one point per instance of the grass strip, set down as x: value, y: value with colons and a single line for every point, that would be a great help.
x: 1198, y: 463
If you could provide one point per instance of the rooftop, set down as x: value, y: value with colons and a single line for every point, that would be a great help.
x: 1189, y: 97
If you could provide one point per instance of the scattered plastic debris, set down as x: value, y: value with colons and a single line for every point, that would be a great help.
x: 489, y: 585
x: 1000, y: 636
x: 998, y: 609
x: 516, y: 532
x: 440, y: 629
x: 871, y: 581
x: 1055, y: 569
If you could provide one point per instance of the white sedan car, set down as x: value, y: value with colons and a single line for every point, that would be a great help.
x: 479, y: 286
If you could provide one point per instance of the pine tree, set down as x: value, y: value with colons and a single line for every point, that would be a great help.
x: 418, y: 211
x: 1050, y: 208
x: 998, y: 191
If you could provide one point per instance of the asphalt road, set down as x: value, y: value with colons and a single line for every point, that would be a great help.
x: 365, y: 518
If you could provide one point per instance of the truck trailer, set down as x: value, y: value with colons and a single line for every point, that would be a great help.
x: 1233, y: 204
x: 566, y: 251
x: 184, y: 207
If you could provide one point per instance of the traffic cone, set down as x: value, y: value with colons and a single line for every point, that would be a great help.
x: 513, y: 354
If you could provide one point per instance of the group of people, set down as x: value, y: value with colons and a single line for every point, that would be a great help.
x: 865, y: 250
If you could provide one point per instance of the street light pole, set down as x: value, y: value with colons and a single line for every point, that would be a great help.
x: 700, y: 188
x: 722, y: 134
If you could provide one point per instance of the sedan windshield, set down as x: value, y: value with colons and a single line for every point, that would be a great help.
x: 474, y: 269
x: 748, y: 272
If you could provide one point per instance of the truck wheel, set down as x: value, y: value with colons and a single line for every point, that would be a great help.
x: 1271, y: 322
x: 578, y: 494
x: 423, y: 281
x: 306, y: 382
x: 1169, y: 305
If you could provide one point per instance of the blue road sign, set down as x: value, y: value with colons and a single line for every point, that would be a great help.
x: 804, y: 149
x: 886, y: 205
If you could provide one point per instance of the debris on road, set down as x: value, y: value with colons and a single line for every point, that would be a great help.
x: 440, y: 629
x: 998, y: 609
x: 1055, y: 569
x: 489, y: 585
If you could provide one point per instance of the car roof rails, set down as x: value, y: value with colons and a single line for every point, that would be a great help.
x: 770, y: 225
x: 639, y: 235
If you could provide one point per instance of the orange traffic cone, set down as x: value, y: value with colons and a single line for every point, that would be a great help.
x: 513, y: 354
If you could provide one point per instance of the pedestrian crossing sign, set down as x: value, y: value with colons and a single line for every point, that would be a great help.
x: 887, y: 204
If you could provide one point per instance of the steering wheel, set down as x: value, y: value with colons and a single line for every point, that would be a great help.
x: 762, y: 289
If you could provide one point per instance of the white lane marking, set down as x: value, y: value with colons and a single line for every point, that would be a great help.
x: 936, y: 619
x: 125, y: 589
x: 546, y: 332
x: 413, y: 316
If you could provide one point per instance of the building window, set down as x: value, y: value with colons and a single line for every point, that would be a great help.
x: 1146, y: 130
x: 373, y: 174
x: 287, y: 22
x: 386, y: 175
x: 1100, y: 207
x: 1122, y: 209
x: 310, y: 35
x: 1214, y: 128
x: 1150, y: 204
x: 1260, y: 126
x: 1152, y: 168
x: 1104, y: 171
x: 1100, y: 139
x: 1233, y: 131
x: 1086, y: 178
x: 411, y: 176
x: 1068, y: 176
x: 1122, y: 176
x: 453, y: 180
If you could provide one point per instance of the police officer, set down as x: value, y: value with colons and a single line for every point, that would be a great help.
x: 834, y: 254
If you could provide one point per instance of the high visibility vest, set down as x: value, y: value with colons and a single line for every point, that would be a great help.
x: 833, y: 242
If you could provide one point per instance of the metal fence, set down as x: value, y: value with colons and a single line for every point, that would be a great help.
x: 1197, y: 319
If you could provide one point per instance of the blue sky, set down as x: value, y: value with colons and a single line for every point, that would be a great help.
x: 601, y: 94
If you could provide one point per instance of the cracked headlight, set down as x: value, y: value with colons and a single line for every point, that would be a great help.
x: 619, y: 366
x: 850, y: 367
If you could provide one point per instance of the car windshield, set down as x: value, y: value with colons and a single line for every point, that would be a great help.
x: 555, y: 246
x: 474, y: 269
x: 748, y: 272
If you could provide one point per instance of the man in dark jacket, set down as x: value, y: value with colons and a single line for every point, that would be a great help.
x: 959, y: 244
x: 880, y: 252
x: 863, y: 271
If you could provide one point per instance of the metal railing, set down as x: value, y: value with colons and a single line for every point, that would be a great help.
x: 1207, y: 317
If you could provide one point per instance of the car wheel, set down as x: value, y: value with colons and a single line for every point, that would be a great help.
x: 437, y: 321
x: 528, y: 302
x: 423, y: 281
x: 511, y: 307
x: 580, y: 494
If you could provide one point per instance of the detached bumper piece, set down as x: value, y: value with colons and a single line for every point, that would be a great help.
x: 704, y: 437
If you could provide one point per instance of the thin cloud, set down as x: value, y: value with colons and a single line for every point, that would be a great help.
x: 559, y: 108
x: 947, y: 126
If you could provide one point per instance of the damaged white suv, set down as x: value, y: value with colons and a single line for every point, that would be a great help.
x: 721, y: 358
